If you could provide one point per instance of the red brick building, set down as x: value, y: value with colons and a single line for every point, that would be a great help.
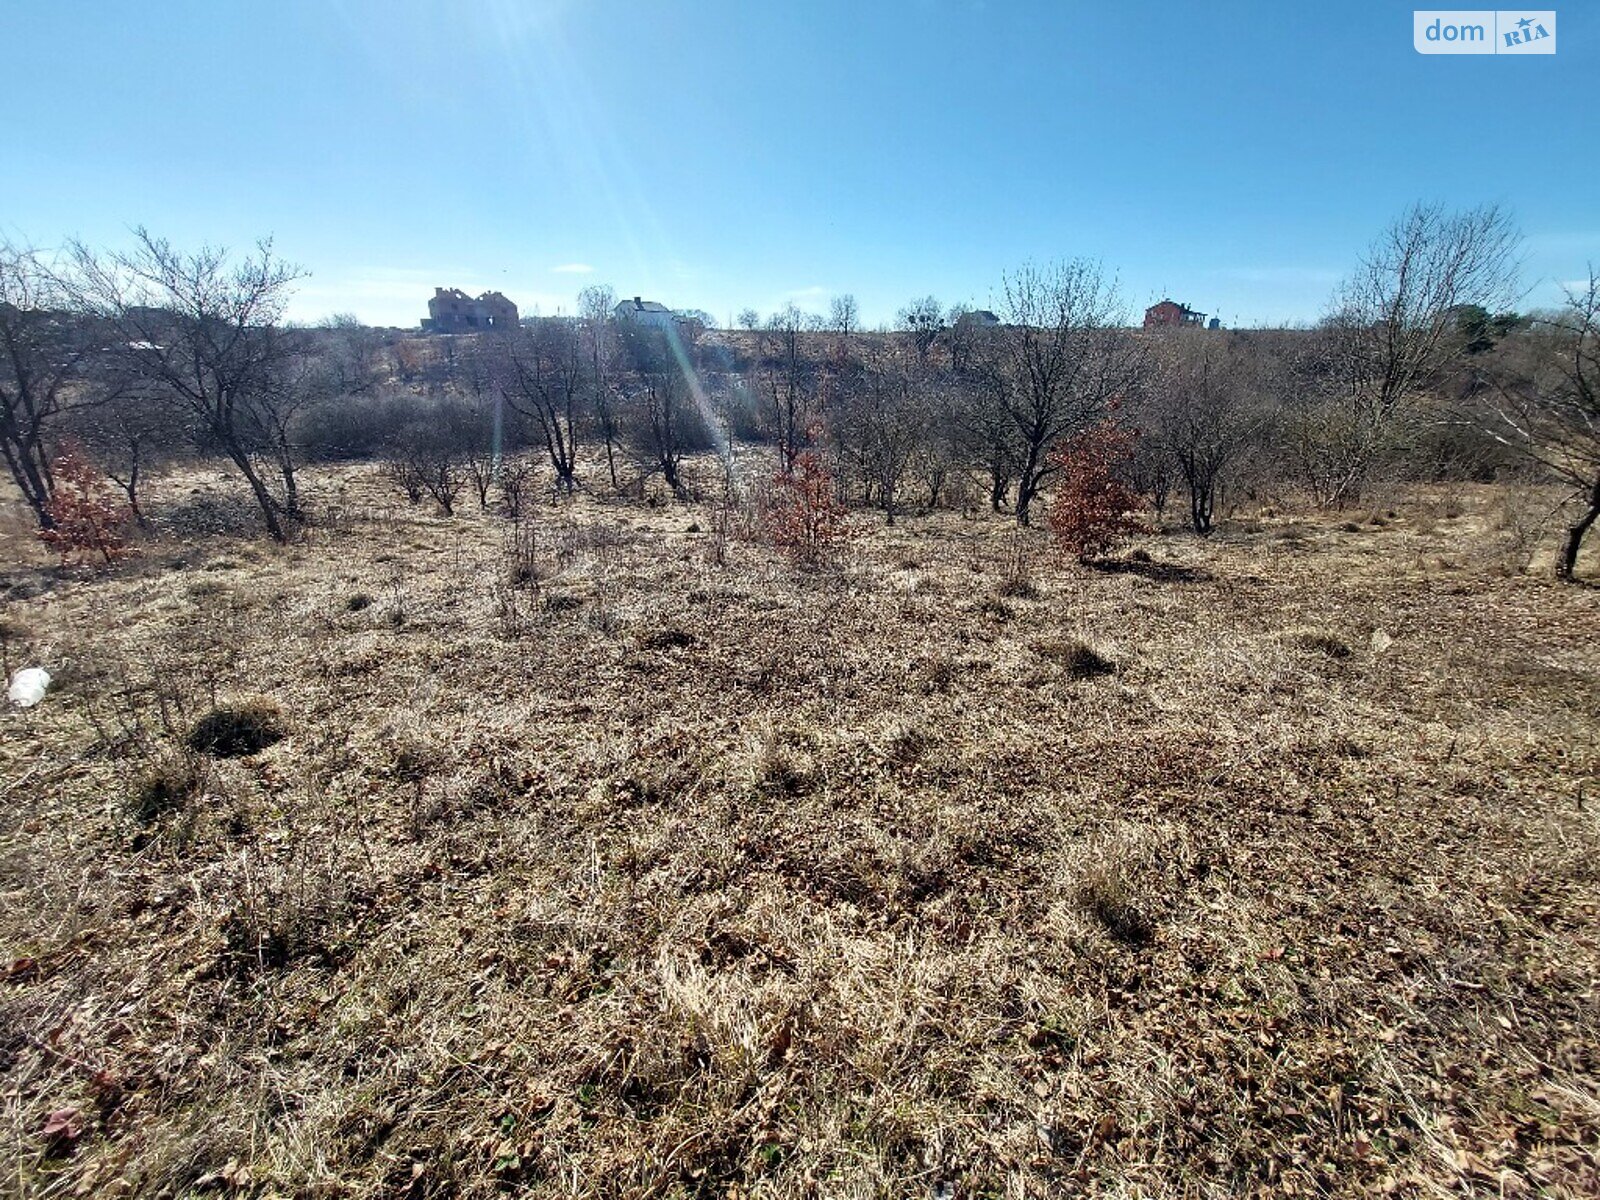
x: 1171, y: 314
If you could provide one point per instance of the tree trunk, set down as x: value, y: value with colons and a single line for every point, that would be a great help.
x: 31, y: 481
x: 1201, y: 503
x: 291, y: 489
x: 130, y: 487
x: 1567, y: 564
x: 1025, y: 495
x: 1028, y: 481
x: 264, y: 499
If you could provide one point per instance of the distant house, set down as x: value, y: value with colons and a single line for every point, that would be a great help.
x: 453, y: 311
x: 980, y: 318
x: 1169, y: 314
x: 645, y: 312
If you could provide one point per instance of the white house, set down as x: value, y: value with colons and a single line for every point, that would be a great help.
x: 645, y: 312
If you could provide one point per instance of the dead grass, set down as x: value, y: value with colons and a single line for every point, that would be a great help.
x: 723, y: 880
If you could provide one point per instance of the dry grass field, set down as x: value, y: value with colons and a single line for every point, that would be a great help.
x: 1268, y: 864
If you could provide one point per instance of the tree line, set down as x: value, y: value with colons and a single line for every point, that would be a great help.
x: 1419, y: 370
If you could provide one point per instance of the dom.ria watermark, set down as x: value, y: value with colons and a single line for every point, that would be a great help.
x: 1484, y: 31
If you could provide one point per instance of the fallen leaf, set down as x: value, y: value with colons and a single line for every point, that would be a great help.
x: 62, y: 1130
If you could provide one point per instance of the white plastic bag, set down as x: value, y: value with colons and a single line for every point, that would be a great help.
x: 28, y: 686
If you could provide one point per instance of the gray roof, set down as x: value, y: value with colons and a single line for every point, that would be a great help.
x: 638, y: 305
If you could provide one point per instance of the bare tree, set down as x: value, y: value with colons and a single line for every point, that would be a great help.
x: 1054, y: 365
x: 44, y: 340
x: 886, y: 420
x: 940, y: 453
x: 129, y: 432
x: 1394, y: 333
x: 791, y: 384
x: 353, y: 353
x: 544, y: 377
x: 429, y: 455
x: 749, y: 318
x: 665, y: 413
x: 694, y: 323
x: 479, y: 438
x: 965, y: 334
x: 1151, y: 468
x: 666, y: 421
x: 844, y: 318
x: 1545, y: 403
x: 516, y: 486
x: 595, y: 305
x: 923, y: 320
x: 202, y: 329
x: 1202, y: 415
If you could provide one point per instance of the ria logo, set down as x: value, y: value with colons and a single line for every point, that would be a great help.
x: 1484, y: 31
x: 1528, y: 31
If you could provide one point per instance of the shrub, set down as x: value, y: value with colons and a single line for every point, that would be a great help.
x: 168, y: 786
x: 804, y: 516
x: 668, y: 639
x: 234, y: 731
x: 85, y: 521
x: 1107, y: 894
x: 1078, y: 659
x: 1094, y: 508
x: 1318, y: 641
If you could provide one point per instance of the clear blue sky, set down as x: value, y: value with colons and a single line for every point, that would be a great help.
x: 1236, y: 156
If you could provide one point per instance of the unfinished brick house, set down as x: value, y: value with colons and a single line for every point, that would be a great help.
x: 453, y: 311
x: 1170, y: 314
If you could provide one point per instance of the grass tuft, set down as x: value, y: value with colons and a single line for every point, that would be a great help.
x: 668, y: 639
x: 1318, y: 641
x: 1078, y: 659
x: 168, y: 786
x: 1107, y: 894
x: 236, y: 731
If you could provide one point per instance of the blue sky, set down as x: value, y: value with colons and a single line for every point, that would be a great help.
x: 1236, y: 156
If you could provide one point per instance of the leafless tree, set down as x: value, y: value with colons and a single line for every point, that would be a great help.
x: 664, y: 410
x: 516, y: 485
x: 353, y: 353
x: 479, y: 437
x: 1151, y: 468
x: 940, y: 452
x: 886, y: 419
x: 1054, y: 365
x: 965, y: 335
x: 923, y: 320
x: 1393, y: 332
x: 1544, y: 402
x: 693, y: 324
x: 666, y: 393
x: 202, y: 330
x: 44, y: 342
x: 789, y: 377
x: 1203, y: 414
x: 595, y: 305
x: 544, y: 377
x: 428, y: 455
x: 129, y: 432
x: 844, y: 318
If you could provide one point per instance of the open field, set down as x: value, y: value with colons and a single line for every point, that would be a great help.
x: 1269, y: 863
